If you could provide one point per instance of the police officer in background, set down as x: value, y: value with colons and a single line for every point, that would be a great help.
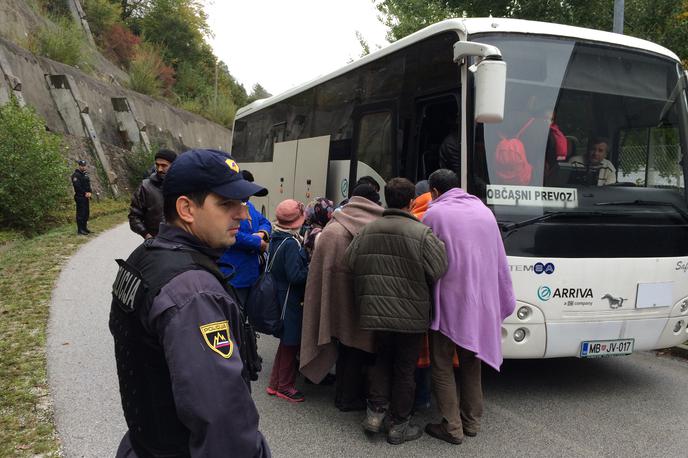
x: 82, y: 193
x: 177, y: 329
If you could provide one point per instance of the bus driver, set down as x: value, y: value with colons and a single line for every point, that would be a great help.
x: 596, y: 159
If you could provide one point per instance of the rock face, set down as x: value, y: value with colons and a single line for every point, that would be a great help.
x: 91, y: 107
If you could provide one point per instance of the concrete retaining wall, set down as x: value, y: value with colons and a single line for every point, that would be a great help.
x: 166, y: 125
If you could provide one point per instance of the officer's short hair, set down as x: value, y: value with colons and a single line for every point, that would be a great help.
x: 169, y: 207
x: 443, y: 180
x: 399, y: 192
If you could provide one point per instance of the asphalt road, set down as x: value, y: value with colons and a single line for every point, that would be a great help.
x: 629, y: 406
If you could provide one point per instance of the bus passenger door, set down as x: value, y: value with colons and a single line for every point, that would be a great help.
x: 310, y: 178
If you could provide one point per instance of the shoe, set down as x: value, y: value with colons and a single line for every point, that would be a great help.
x: 354, y: 406
x: 373, y: 421
x: 291, y: 395
x: 270, y: 391
x: 87, y: 230
x: 81, y: 232
x: 328, y: 380
x: 469, y: 433
x: 437, y: 431
x: 403, y: 432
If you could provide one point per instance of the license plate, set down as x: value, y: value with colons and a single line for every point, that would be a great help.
x: 600, y: 348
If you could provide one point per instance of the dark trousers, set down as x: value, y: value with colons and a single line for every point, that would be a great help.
x: 82, y: 212
x: 351, y: 380
x: 391, y: 378
x: 459, y: 399
x: 285, y: 367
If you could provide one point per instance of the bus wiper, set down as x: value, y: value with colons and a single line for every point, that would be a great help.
x: 648, y: 203
x: 509, y: 228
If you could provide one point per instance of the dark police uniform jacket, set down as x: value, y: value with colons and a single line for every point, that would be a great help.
x: 145, y: 212
x: 81, y: 182
x: 177, y: 354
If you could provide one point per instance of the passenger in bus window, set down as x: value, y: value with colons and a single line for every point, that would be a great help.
x: 596, y: 159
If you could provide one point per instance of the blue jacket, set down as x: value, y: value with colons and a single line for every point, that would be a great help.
x: 243, y: 255
x: 290, y: 269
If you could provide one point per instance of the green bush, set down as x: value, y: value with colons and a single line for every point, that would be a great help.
x: 63, y: 43
x: 148, y: 74
x: 34, y: 177
x: 139, y: 161
x: 101, y: 15
x: 221, y: 110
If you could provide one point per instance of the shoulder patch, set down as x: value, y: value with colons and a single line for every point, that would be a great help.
x: 216, y: 335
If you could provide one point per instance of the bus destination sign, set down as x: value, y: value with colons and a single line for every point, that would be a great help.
x: 532, y: 196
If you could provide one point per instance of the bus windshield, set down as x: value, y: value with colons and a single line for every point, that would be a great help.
x: 587, y: 128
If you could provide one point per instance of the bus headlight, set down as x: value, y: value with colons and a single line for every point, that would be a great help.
x: 519, y: 334
x: 523, y: 313
x: 678, y: 326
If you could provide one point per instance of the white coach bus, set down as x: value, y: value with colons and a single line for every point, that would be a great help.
x: 585, y: 173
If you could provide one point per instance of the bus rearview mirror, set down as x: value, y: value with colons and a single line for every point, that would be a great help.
x: 490, y: 87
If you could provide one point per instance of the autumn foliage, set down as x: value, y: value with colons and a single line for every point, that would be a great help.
x: 119, y: 44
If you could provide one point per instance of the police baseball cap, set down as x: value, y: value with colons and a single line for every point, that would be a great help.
x: 211, y: 170
x: 81, y: 162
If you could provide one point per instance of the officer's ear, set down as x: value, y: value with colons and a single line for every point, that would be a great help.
x: 185, y: 209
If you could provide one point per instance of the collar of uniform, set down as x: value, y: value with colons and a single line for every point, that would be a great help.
x: 170, y: 236
x: 397, y: 212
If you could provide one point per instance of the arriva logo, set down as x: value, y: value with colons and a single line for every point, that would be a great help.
x: 544, y: 293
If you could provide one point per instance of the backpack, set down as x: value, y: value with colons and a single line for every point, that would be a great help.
x: 511, y: 161
x: 561, y: 143
x: 264, y: 311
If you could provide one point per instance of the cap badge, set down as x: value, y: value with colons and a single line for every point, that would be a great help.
x: 232, y: 165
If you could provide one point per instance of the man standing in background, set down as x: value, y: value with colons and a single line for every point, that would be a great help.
x: 82, y: 194
x: 145, y: 212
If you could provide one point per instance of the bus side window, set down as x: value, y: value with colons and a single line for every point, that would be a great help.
x: 374, y: 143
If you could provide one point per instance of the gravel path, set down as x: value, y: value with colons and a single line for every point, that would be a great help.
x: 631, y: 406
x: 81, y: 360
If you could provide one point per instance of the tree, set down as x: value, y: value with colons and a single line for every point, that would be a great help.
x: 180, y: 28
x: 258, y: 92
x: 133, y: 8
x: 660, y: 21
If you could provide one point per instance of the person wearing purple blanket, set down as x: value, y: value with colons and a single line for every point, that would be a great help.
x: 471, y: 301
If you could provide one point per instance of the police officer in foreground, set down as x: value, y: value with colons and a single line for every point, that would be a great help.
x: 82, y: 194
x: 177, y: 330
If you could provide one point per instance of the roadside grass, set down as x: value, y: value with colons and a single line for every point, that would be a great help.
x: 29, y: 268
